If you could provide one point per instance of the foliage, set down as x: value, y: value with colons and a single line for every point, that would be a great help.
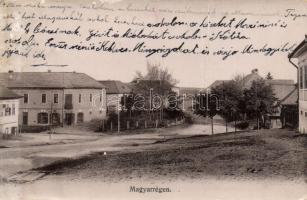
x: 156, y: 72
x: 239, y: 103
x: 206, y: 105
x: 231, y: 97
x: 127, y: 102
x: 269, y: 76
x: 259, y: 99
x: 242, y: 125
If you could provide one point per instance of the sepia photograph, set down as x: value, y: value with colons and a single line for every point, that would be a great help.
x: 153, y: 99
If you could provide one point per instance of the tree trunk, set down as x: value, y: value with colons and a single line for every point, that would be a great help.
x: 226, y: 126
x: 212, y: 125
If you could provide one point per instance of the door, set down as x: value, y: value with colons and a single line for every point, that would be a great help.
x: 24, y: 118
x: 69, y: 118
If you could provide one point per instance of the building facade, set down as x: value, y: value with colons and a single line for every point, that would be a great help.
x: 56, y: 98
x: 300, y: 53
x: 9, y: 108
x: 115, y: 90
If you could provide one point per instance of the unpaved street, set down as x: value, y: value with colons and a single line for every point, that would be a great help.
x: 267, y: 164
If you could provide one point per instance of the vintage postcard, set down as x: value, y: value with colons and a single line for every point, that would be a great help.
x: 153, y: 99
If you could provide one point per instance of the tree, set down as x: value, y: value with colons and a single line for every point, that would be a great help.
x: 156, y: 72
x: 269, y: 76
x: 157, y: 82
x: 127, y: 102
x: 231, y: 97
x: 259, y: 100
x: 207, y: 105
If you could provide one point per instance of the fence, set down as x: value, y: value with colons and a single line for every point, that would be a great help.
x: 112, y: 125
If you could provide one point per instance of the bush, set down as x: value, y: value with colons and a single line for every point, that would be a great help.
x: 242, y: 125
x: 34, y: 129
x: 188, y: 118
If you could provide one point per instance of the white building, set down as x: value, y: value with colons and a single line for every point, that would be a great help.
x: 56, y: 98
x: 9, y: 105
x: 300, y: 53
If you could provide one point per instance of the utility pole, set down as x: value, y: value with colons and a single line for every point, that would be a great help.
x: 118, y: 117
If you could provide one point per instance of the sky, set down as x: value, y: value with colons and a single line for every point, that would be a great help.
x: 189, y: 70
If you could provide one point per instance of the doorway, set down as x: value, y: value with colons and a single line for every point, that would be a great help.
x: 69, y: 118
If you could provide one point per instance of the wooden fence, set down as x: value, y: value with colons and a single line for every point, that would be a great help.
x: 112, y: 125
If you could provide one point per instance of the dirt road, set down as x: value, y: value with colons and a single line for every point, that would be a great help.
x: 266, y: 163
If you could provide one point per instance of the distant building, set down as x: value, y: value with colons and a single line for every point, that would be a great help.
x: 300, y: 53
x: 246, y: 81
x: 284, y: 90
x: 188, y: 94
x: 9, y: 105
x: 56, y: 98
x: 286, y: 93
x: 115, y: 90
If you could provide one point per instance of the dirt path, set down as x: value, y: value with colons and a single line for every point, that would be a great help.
x: 269, y: 164
x: 27, y: 153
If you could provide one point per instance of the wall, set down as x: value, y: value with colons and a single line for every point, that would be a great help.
x: 302, y: 100
x: 113, y: 100
x: 91, y: 110
x: 11, y: 120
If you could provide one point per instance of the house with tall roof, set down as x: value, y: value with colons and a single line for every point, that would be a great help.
x: 9, y: 105
x: 115, y: 90
x: 300, y: 54
x: 187, y: 96
x: 246, y: 81
x: 56, y: 98
x: 285, y: 91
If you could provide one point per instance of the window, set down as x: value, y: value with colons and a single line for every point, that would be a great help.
x: 25, y: 118
x: 80, y: 97
x: 25, y: 98
x: 56, y: 98
x: 13, y: 109
x: 7, y: 110
x: 305, y: 76
x: 43, y: 98
x: 55, y: 118
x: 42, y: 118
x: 91, y: 97
x: 68, y: 102
x: 301, y: 77
x: 14, y: 130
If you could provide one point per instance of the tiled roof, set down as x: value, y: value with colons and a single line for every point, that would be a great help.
x: 285, y: 91
x: 280, y: 82
x: 216, y: 83
x: 7, y: 94
x: 301, y: 48
x: 189, y: 90
x: 67, y: 80
x: 116, y: 87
